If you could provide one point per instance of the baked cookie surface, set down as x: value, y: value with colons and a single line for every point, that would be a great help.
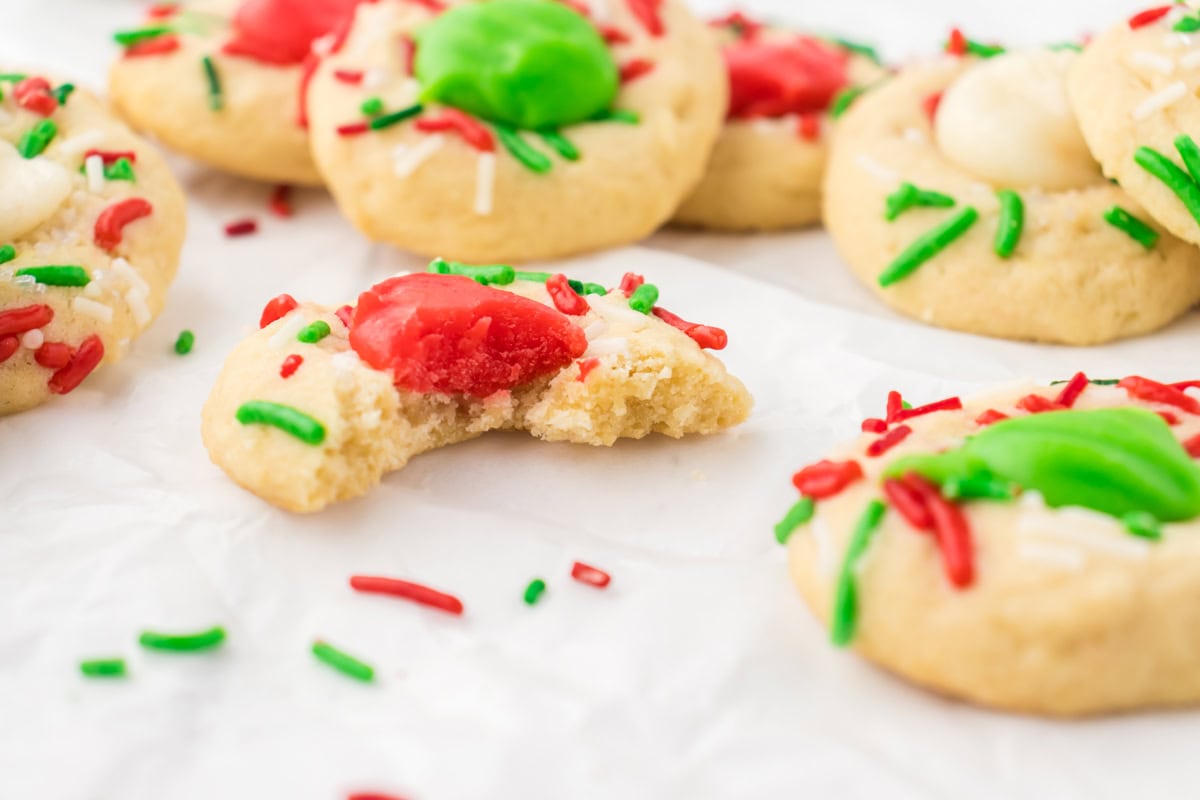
x: 766, y: 168
x: 483, y: 158
x: 91, y: 227
x: 223, y: 82
x: 427, y: 360
x: 963, y: 194
x: 1034, y: 549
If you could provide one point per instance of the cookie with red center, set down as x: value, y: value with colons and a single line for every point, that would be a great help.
x: 321, y: 402
x: 765, y: 171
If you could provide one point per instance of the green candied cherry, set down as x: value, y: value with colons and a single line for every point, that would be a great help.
x: 532, y: 64
x: 1118, y: 461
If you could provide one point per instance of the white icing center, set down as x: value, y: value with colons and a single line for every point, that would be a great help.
x: 31, y: 191
x: 1007, y: 121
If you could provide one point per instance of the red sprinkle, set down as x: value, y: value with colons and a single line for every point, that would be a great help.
x: 407, y: 591
x: 957, y: 44
x: 307, y: 70
x: 53, y: 355
x: 1181, y: 385
x: 706, y: 336
x: 809, y: 126
x: 909, y: 502
x: 158, y: 46
x: 930, y: 105
x: 351, y: 76
x: 241, y: 227
x: 111, y: 156
x: 951, y: 529
x: 110, y: 225
x: 613, y: 35
x: 466, y: 126
x: 746, y: 27
x: 281, y: 200
x: 1149, y: 16
x: 408, y: 55
x: 874, y: 425
x: 436, y: 6
x: 889, y: 440
x: 564, y: 297
x: 1070, y: 393
x: 277, y: 308
x: 162, y: 10
x: 990, y: 417
x: 949, y: 404
x: 290, y: 365
x: 585, y: 367
x: 345, y: 314
x: 1192, y: 446
x: 25, y: 318
x: 8, y: 346
x: 632, y: 70
x: 826, y: 479
x: 33, y: 94
x: 352, y: 129
x: 630, y: 281
x: 590, y: 575
x: 1036, y: 404
x: 1155, y: 392
x: 895, y: 404
x: 1168, y: 417
x: 374, y: 796
x: 647, y: 12
x: 85, y: 359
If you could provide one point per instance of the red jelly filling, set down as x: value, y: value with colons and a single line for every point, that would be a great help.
x: 447, y: 333
x: 770, y: 78
x: 282, y: 31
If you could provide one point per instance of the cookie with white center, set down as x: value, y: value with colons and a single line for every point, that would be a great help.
x: 223, y: 81
x: 1134, y: 91
x: 91, y: 227
x: 1033, y: 549
x: 320, y: 403
x: 513, y: 130
x: 786, y: 89
x: 963, y: 193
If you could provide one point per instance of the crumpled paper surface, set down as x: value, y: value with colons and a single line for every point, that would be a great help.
x: 697, y: 674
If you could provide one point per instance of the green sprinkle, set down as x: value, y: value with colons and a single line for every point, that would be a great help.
x: 487, y: 274
x: 907, y: 196
x: 799, y: 514
x: 1137, y: 230
x: 643, y: 298
x: 618, y: 115
x: 521, y: 150
x: 1170, y: 174
x: 1187, y: 25
x: 844, y: 99
x: 978, y: 486
x: 396, y: 117
x: 372, y: 106
x: 185, y: 342
x: 1143, y: 524
x: 1066, y: 46
x: 12, y: 77
x: 845, y: 605
x: 215, y: 100
x: 1012, y: 222
x: 285, y: 418
x: 120, y: 170
x: 905, y: 405
x: 127, y: 38
x: 534, y: 591
x: 35, y: 140
x: 536, y: 277
x: 57, y: 275
x: 1190, y: 153
x: 593, y: 288
x: 103, y: 668
x: 859, y: 48
x: 576, y: 286
x: 928, y: 245
x: 1093, y: 381
x: 560, y: 144
x: 183, y: 643
x: 313, y: 332
x: 63, y: 93
x: 983, y: 50
x: 343, y: 662
x: 7, y: 253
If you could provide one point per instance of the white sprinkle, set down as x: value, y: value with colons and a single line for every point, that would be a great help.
x: 93, y: 309
x: 485, y: 183
x: 374, y: 79
x: 81, y: 143
x: 1153, y: 61
x: 875, y: 169
x: 126, y: 271
x: 93, y: 166
x: 135, y: 298
x: 324, y: 45
x: 1173, y: 41
x: 1055, y: 555
x: 765, y: 125
x: 286, y: 334
x: 595, y: 330
x: 407, y: 160
x: 1172, y: 93
x: 33, y: 339
x: 25, y: 280
x: 93, y: 288
x: 1191, y: 60
x: 409, y: 92
x: 600, y: 10
x: 609, y: 346
x: 915, y: 136
x: 345, y: 361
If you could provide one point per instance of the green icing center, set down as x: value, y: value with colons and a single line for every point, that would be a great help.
x: 528, y: 63
x: 1116, y: 461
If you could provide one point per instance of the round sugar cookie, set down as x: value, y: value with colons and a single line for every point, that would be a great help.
x: 321, y: 402
x: 91, y: 227
x: 785, y: 90
x: 513, y: 130
x: 1134, y: 92
x: 1036, y: 549
x: 223, y: 82
x: 962, y: 192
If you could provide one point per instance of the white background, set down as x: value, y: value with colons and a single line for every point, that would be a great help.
x: 697, y: 674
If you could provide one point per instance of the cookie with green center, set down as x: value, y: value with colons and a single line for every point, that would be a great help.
x: 86, y: 255
x: 1028, y: 549
x: 512, y: 130
x: 962, y: 192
